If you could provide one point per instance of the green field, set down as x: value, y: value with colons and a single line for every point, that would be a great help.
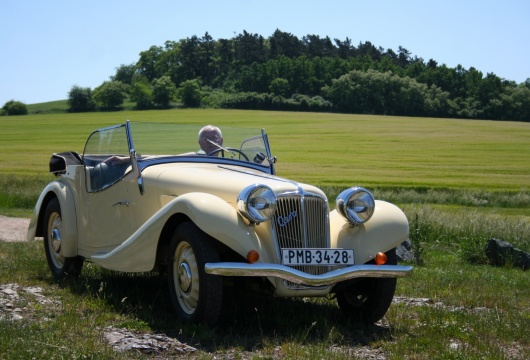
x: 460, y: 182
x: 323, y: 149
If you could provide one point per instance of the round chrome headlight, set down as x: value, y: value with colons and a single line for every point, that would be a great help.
x: 356, y: 204
x: 257, y: 203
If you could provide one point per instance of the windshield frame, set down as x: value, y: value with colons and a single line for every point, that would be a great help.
x: 152, y: 143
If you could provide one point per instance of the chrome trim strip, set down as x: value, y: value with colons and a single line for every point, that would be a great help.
x: 270, y: 158
x: 299, y: 277
x: 134, y: 159
x: 221, y: 162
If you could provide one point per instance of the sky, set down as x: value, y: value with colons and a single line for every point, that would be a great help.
x: 46, y: 47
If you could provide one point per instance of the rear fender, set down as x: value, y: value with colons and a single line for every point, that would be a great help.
x: 60, y: 190
x: 387, y: 228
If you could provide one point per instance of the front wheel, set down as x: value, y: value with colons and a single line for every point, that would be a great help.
x: 367, y: 300
x: 196, y: 296
x: 59, y: 265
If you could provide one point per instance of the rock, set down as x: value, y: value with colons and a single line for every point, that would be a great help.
x: 9, y: 292
x: 123, y: 340
x: 501, y: 253
x: 404, y: 251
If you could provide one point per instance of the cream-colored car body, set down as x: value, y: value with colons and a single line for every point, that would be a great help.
x: 122, y: 227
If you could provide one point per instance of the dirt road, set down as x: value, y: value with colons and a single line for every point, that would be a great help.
x: 13, y: 229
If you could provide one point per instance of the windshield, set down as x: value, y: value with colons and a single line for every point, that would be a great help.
x: 156, y: 140
x: 107, y: 154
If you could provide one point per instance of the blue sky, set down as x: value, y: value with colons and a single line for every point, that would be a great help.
x: 48, y: 46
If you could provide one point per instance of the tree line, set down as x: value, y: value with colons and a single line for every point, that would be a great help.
x: 312, y: 73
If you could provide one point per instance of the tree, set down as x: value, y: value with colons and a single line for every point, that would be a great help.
x: 149, y: 62
x: 370, y: 50
x: 280, y: 87
x: 189, y: 58
x: 142, y: 95
x: 249, y: 48
x: 164, y: 91
x: 190, y: 93
x: 125, y: 73
x: 284, y: 44
x: 225, y: 54
x: 206, y: 61
x: 110, y: 94
x: 317, y: 47
x: 13, y: 107
x: 403, y: 57
x: 517, y: 103
x: 374, y: 92
x: 527, y: 83
x: 344, y: 48
x: 80, y: 99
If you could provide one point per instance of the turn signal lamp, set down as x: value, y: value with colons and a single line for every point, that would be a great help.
x: 380, y: 258
x: 252, y: 256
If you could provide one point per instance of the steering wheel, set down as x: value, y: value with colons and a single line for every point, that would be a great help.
x: 231, y: 149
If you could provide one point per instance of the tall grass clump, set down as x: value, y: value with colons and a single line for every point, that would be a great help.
x: 466, y: 231
x: 21, y: 192
x: 461, y: 197
x: 442, y: 196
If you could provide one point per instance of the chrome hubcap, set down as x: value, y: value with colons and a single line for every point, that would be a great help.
x: 56, y: 240
x: 184, y: 277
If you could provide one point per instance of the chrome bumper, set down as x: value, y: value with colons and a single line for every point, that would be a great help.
x: 299, y: 277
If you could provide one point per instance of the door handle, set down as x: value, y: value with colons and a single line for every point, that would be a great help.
x: 126, y: 203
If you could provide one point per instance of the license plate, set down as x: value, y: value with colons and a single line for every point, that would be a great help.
x: 317, y: 257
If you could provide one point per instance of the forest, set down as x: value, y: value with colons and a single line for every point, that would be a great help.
x: 284, y: 72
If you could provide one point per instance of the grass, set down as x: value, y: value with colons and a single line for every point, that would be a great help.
x: 480, y: 310
x: 61, y: 106
x: 472, y: 312
x: 51, y: 107
x: 341, y: 150
x: 459, y: 182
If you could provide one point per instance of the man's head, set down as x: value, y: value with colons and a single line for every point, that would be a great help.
x: 207, y: 134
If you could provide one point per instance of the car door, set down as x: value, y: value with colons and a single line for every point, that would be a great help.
x: 106, y: 213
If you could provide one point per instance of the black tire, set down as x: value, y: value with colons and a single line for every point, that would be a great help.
x: 196, y: 296
x: 367, y: 300
x: 60, y: 266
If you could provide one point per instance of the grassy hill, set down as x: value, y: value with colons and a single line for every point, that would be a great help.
x: 58, y: 106
x: 61, y: 106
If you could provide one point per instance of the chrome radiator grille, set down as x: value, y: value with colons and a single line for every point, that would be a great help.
x: 301, y: 221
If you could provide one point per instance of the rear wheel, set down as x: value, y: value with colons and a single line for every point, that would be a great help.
x: 59, y: 265
x: 196, y: 296
x: 367, y: 300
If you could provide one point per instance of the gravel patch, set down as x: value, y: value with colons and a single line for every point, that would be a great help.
x: 13, y: 229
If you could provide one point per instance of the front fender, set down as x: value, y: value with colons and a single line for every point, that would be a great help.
x: 221, y: 221
x: 210, y: 213
x: 61, y: 190
x: 387, y: 228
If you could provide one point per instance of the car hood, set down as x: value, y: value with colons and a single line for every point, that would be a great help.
x: 224, y: 181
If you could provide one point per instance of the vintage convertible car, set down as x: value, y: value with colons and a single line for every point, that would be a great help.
x: 215, y: 220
